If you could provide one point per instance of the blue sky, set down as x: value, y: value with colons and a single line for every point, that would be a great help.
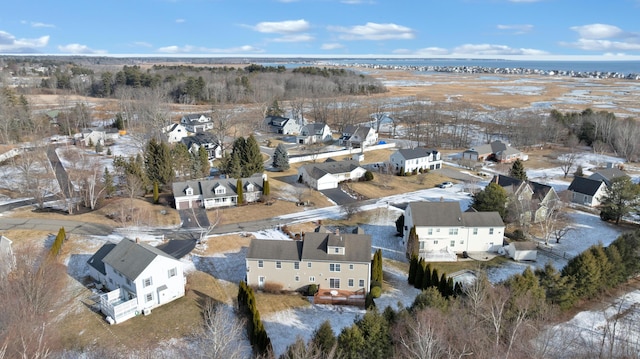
x: 512, y: 29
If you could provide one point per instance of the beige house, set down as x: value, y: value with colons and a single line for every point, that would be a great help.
x: 529, y: 201
x: 443, y: 230
x: 340, y: 261
x: 496, y: 150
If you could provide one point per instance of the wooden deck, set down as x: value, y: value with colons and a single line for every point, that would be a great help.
x: 340, y: 297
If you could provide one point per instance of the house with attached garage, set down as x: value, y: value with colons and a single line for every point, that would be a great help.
x: 358, y: 136
x: 331, y: 260
x: 607, y: 174
x: 415, y: 159
x: 283, y: 125
x: 314, y: 133
x: 496, y: 151
x: 209, y: 141
x: 329, y: 174
x: 530, y: 200
x: 587, y: 191
x: 196, y: 122
x: 137, y: 277
x: 216, y: 192
x: 175, y: 132
x: 441, y: 230
x: 93, y: 136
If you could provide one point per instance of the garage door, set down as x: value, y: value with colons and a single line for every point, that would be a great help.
x: 183, y: 205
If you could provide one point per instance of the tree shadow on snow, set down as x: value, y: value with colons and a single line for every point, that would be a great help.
x: 225, y: 266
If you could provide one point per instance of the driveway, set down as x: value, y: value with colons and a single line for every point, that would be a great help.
x: 194, y: 218
x: 338, y: 196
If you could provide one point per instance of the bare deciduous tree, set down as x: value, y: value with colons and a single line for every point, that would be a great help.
x: 222, y: 336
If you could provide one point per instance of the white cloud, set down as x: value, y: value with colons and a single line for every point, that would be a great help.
x: 79, y: 49
x: 141, y: 44
x: 331, y: 46
x: 180, y: 21
x: 518, y: 29
x: 603, y: 37
x: 294, y: 38
x: 598, y: 31
x: 431, y: 51
x: 491, y: 49
x: 374, y: 31
x: 36, y: 24
x: 9, y: 43
x: 198, y: 49
x: 282, y: 27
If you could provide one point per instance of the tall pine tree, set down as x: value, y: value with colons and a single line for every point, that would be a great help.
x: 517, y: 170
x: 281, y: 158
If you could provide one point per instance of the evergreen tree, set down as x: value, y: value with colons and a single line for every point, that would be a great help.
x: 376, y: 267
x: 274, y: 109
x: 442, y: 285
x: 585, y: 273
x: 430, y: 298
x: 281, y: 158
x: 56, y: 246
x: 375, y: 330
x: 203, y: 162
x: 99, y: 147
x: 558, y: 289
x: 157, y: 162
x: 107, y: 181
x: 324, y: 338
x: 579, y: 172
x: 266, y: 190
x: 493, y: 198
x: 413, y: 267
x: 517, y: 170
x: 183, y: 161
x: 435, y: 279
x: 156, y: 192
x: 351, y: 343
x: 426, y: 278
x: 119, y: 122
x: 240, y: 191
x: 254, y: 162
x: 413, y: 245
x: 109, y: 151
x: 419, y: 274
x: 620, y: 198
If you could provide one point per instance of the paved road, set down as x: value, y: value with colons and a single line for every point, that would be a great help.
x: 61, y: 173
x: 53, y: 225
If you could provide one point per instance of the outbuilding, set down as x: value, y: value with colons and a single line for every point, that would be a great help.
x: 523, y: 251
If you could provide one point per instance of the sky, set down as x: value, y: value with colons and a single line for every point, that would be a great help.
x: 509, y: 29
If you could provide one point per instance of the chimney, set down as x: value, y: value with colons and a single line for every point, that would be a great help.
x: 337, y: 231
x: 137, y: 240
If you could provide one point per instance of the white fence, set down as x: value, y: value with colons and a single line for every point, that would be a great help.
x: 351, y: 151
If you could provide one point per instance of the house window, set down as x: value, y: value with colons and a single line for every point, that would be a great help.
x: 437, y: 230
x: 351, y: 266
x: 334, y: 267
x: 309, y: 265
x: 350, y: 282
x: 189, y: 191
x: 260, y: 264
x: 220, y: 190
x: 297, y: 278
x: 453, y: 231
x: 435, y: 242
x: 296, y: 265
x: 312, y: 279
x: 462, y: 242
x: 147, y: 282
x: 173, y: 272
x: 148, y: 297
x: 430, y: 231
x: 475, y: 231
x: 361, y: 283
x: 278, y: 264
x: 334, y: 283
x: 490, y: 230
x: 452, y: 244
x: 421, y: 245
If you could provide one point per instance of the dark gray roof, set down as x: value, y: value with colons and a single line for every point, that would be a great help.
x: 286, y: 250
x: 511, y: 185
x: 200, y: 138
x: 315, y: 128
x: 607, y: 174
x: 448, y: 214
x: 357, y: 247
x: 207, y: 187
x: 313, y: 248
x: 131, y: 258
x: 413, y: 153
x: 96, y: 260
x: 317, y: 170
x: 277, y: 121
x: 585, y: 185
x: 494, y: 147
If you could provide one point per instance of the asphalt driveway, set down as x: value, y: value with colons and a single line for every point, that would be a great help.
x: 338, y: 196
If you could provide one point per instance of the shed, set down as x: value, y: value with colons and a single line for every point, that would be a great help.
x: 523, y: 251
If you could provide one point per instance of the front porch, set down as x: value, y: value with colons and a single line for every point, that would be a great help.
x: 340, y: 297
x: 118, y: 306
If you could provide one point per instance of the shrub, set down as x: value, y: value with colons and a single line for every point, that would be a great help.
x: 272, y: 287
x: 312, y: 289
x: 518, y: 234
x: 368, y: 176
x: 375, y: 284
x: 376, y: 292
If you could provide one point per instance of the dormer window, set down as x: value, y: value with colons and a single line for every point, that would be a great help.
x: 188, y: 191
x: 250, y: 187
x: 219, y: 190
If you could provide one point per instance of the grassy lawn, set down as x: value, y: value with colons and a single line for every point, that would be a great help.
x: 272, y: 303
x: 451, y: 267
x: 386, y: 185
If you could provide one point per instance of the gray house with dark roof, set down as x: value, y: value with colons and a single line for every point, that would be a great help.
x: 138, y: 278
x: 358, y: 136
x: 587, y: 191
x: 340, y: 261
x: 196, y: 122
x: 329, y: 174
x: 282, y: 125
x: 529, y: 200
x: 607, y: 175
x: 216, y: 192
x: 209, y: 141
x: 443, y: 230
x: 314, y: 133
x: 415, y: 159
x: 496, y: 150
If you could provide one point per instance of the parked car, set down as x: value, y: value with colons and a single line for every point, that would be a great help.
x: 445, y: 185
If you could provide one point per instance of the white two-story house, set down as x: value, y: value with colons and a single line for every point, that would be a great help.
x: 443, y: 230
x: 138, y: 278
x: 196, y: 122
x: 358, y: 136
x: 314, y: 133
x: 415, y: 159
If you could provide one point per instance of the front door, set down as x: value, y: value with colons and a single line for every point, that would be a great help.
x: 260, y: 282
